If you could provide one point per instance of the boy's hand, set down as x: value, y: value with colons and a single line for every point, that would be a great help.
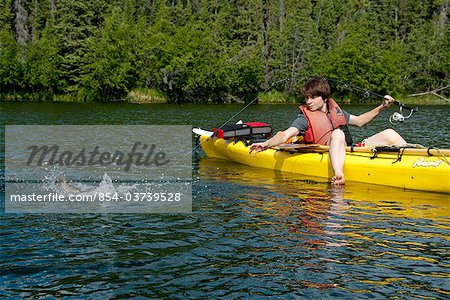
x: 258, y: 147
x: 388, y: 101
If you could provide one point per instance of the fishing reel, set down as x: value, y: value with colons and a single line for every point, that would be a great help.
x: 399, y: 117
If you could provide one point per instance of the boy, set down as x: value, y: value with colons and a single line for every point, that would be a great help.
x: 323, y: 122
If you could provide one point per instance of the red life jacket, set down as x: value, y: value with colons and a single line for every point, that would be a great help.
x: 320, y: 124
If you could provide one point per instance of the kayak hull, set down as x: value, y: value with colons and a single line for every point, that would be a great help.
x: 416, y: 170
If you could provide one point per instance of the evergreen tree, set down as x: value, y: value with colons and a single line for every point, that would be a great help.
x: 201, y: 50
x: 41, y: 66
x: 75, y: 22
x: 10, y: 66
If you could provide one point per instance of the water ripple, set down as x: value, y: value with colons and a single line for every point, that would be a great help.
x: 252, y: 234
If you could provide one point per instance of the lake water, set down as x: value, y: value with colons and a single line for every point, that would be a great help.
x: 252, y: 233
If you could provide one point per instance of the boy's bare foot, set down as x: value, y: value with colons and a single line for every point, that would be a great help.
x: 338, y: 179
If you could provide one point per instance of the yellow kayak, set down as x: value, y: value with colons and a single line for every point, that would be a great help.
x: 406, y: 168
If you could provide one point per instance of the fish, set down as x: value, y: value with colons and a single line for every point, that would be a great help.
x: 66, y: 186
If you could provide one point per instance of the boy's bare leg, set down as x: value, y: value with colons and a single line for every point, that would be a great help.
x: 386, y: 137
x: 337, y: 156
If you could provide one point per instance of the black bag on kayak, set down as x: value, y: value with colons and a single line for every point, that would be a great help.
x: 248, y: 129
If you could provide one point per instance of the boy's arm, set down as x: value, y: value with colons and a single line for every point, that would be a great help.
x: 365, y: 118
x: 276, y: 140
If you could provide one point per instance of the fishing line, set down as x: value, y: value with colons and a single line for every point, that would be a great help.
x: 246, y: 106
x: 251, y: 102
x: 231, y: 118
x: 397, y: 117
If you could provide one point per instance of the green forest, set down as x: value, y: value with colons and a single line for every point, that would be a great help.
x: 217, y: 50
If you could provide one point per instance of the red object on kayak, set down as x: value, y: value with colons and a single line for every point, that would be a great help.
x: 244, y: 129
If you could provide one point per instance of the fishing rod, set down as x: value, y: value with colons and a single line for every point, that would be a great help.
x: 197, y: 139
x: 274, y: 84
x: 251, y: 102
x: 396, y: 117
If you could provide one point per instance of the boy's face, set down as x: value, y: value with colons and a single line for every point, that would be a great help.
x: 315, y: 103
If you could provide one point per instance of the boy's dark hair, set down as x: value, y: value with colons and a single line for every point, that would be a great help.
x: 315, y: 87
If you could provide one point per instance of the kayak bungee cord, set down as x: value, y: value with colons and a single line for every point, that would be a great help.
x: 440, y: 152
x: 396, y: 117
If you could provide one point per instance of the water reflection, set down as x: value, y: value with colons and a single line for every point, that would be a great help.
x: 315, y: 190
x: 362, y: 239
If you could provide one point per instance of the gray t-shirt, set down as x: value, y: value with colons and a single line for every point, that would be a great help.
x: 302, y: 124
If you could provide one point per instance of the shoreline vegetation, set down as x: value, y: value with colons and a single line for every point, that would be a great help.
x: 154, y: 96
x: 221, y: 51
